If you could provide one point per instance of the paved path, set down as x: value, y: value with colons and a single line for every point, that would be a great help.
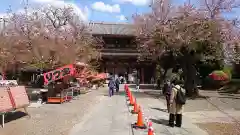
x: 155, y: 110
x: 112, y: 117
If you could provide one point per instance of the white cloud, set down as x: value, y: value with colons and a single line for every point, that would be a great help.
x: 100, y: 6
x: 135, y: 2
x: 83, y: 13
x: 3, y: 15
x: 121, y: 18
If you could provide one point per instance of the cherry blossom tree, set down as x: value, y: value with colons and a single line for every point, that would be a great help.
x: 12, y: 51
x: 187, y: 33
x: 50, y: 37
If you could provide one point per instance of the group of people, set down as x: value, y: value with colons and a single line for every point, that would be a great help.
x: 176, y: 99
x: 113, y: 84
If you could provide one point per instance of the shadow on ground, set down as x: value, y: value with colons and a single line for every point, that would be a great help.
x: 158, y: 94
x: 230, y: 97
x: 159, y: 109
x: 13, y: 116
x: 160, y: 121
x: 120, y: 93
x: 229, y: 89
x: 232, y: 87
x: 142, y: 86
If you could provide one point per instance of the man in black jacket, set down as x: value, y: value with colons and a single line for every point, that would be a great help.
x: 117, y: 83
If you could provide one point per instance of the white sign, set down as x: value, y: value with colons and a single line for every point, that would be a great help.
x: 8, y: 82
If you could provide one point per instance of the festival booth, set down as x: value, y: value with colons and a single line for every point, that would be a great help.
x: 60, y: 88
x: 12, y: 97
x: 87, y: 77
x: 58, y: 83
x: 99, y: 79
x: 81, y: 70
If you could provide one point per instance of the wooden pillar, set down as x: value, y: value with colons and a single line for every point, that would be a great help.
x: 114, y: 69
x: 142, y: 75
x: 105, y: 68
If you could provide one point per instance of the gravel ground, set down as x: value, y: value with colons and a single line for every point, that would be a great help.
x: 53, y: 119
x: 220, y: 128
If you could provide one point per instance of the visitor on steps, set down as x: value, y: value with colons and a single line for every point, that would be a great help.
x: 111, y: 86
x: 177, y: 102
x: 167, y: 90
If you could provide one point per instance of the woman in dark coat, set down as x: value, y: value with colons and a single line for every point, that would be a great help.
x: 117, y: 83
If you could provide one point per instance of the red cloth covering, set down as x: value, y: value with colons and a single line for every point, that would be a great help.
x: 102, y: 76
x: 5, y: 101
x: 20, y: 96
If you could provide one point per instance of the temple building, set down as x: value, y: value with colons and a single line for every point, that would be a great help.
x: 119, y: 55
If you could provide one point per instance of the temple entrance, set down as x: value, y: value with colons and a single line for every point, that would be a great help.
x: 148, y: 74
x: 120, y: 70
x: 126, y: 67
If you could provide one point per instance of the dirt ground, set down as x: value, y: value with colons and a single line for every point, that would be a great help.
x: 52, y: 119
x: 220, y: 128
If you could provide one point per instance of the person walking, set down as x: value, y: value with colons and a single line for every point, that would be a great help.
x: 167, y: 90
x: 138, y: 84
x: 121, y: 79
x: 177, y: 102
x: 111, y: 86
x: 117, y: 83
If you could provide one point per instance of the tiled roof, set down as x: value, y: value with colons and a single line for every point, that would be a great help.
x: 112, y: 29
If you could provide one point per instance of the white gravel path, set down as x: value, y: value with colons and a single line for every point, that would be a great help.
x: 54, y: 119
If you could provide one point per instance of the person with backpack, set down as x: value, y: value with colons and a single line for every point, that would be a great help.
x: 177, y: 102
x: 167, y: 89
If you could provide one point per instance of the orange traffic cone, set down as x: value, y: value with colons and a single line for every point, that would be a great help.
x: 135, y: 107
x: 140, y: 124
x: 128, y: 95
x: 127, y: 92
x: 131, y: 100
x: 150, y: 131
x: 149, y: 124
x: 125, y: 87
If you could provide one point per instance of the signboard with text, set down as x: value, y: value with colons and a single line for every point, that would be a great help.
x: 8, y: 82
x: 58, y: 73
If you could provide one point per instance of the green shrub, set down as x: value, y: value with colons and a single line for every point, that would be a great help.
x: 228, y: 71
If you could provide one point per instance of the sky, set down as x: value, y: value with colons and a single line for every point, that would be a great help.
x: 91, y: 10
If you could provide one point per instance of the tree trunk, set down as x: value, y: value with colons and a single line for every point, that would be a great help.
x: 3, y: 73
x: 162, y: 78
x: 189, y: 73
